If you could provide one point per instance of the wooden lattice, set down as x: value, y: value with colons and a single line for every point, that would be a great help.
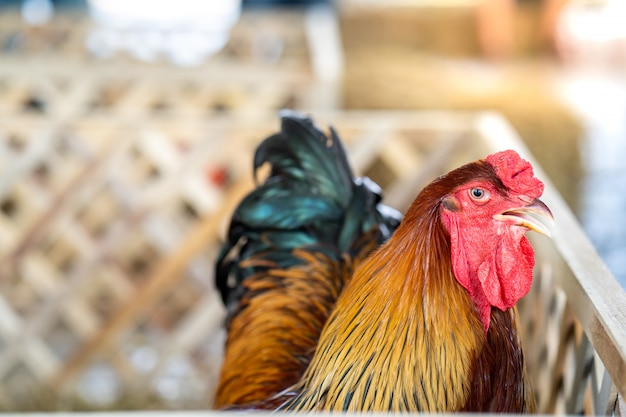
x: 116, y: 183
x: 109, y: 277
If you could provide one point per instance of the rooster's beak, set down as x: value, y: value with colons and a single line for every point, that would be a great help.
x: 521, y: 216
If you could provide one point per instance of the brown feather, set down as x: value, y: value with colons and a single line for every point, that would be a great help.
x: 499, y: 380
x: 265, y: 356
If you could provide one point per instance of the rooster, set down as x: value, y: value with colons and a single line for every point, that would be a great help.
x: 334, y: 312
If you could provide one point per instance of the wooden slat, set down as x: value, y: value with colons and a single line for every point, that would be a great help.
x: 164, y: 276
x: 40, y: 226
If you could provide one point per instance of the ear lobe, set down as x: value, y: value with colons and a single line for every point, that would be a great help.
x: 459, y: 256
x: 451, y: 203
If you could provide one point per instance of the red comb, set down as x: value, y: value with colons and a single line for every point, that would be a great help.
x: 516, y: 173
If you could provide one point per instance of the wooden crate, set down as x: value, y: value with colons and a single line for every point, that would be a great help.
x: 117, y: 182
x: 110, y: 280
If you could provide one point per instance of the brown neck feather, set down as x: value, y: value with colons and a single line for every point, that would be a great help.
x: 499, y: 382
x: 403, y: 334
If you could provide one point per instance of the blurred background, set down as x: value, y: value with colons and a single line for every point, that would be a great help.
x: 117, y: 157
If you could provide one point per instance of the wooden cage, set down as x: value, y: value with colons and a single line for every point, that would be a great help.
x: 108, y: 270
x: 116, y: 184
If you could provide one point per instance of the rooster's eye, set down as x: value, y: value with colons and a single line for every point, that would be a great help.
x: 479, y: 194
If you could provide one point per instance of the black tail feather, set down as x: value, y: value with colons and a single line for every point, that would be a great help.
x: 310, y: 199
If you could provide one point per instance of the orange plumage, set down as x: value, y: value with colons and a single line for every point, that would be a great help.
x: 426, y: 322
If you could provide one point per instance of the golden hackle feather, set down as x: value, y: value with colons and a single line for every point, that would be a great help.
x: 402, y: 312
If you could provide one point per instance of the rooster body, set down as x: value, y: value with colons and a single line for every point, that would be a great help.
x: 424, y: 322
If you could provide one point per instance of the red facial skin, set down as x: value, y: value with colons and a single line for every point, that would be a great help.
x: 493, y: 278
x: 491, y: 257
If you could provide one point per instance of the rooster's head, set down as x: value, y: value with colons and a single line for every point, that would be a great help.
x: 487, y: 215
